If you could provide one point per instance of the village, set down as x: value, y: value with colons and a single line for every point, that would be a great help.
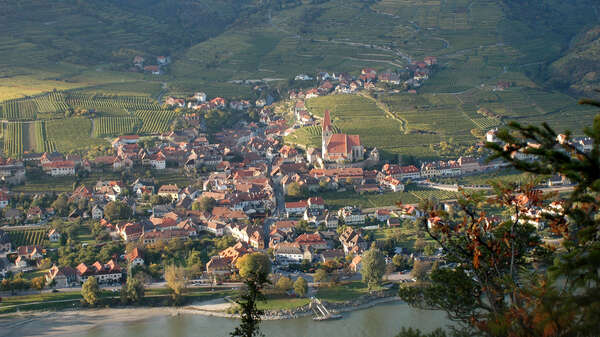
x: 253, y: 193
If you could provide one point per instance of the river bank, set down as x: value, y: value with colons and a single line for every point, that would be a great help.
x: 73, y: 322
x: 219, y: 308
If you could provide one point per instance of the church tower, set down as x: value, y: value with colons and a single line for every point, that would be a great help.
x: 326, y: 133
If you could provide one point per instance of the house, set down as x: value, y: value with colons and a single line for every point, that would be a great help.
x: 352, y: 216
x: 97, y: 212
x: 49, y: 157
x: 218, y: 265
x: 382, y: 215
x: 469, y: 165
x: 155, y: 70
x: 295, y: 208
x: 394, y: 222
x: 3, y: 269
x: 313, y: 241
x: 60, y: 168
x: 171, y: 191
x: 401, y: 172
x: 352, y: 241
x: 21, y: 262
x: 286, y: 252
x: 393, y: 184
x: 4, y: 199
x: 138, y: 61
x: 53, y: 235
x: 356, y: 264
x: 158, y: 161
x: 491, y: 136
x: 103, y: 273
x: 63, y: 277
x: 135, y: 258
x: 316, y: 203
x: 5, y: 243
x: 162, y: 60
x: 199, y: 97
x: 34, y: 213
x: 121, y: 140
x: 339, y: 147
x: 30, y: 252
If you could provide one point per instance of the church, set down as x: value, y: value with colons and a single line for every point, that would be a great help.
x: 339, y: 147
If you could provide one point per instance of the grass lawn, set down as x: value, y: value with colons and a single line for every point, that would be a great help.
x: 282, y: 302
x: 343, y: 292
x: 72, y: 298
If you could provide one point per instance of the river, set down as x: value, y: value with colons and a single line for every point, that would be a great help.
x: 378, y: 321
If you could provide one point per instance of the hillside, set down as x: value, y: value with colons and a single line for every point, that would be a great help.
x: 81, y: 52
x: 66, y: 44
x: 579, y: 70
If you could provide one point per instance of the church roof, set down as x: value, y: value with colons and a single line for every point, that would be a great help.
x: 326, y: 121
x: 341, y: 143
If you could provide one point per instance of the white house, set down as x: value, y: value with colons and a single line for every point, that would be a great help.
x: 295, y: 208
x: 158, y: 161
x: 53, y: 235
x: 97, y: 212
x: 288, y: 252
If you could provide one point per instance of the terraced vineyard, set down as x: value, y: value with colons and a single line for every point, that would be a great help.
x: 50, y: 104
x: 13, y: 139
x: 111, y: 105
x: 42, y: 143
x: 28, y: 237
x: 114, y: 126
x: 155, y: 121
x: 19, y: 110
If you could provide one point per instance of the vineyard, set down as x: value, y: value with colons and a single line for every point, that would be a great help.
x: 51, y: 103
x: 155, y: 121
x: 114, y: 126
x: 19, y: 110
x: 13, y: 139
x: 27, y: 237
x: 111, y: 105
x: 42, y: 143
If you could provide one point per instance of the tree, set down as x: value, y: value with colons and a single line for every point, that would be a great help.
x: 90, y: 291
x: 133, y: 291
x: 284, y: 284
x: 420, y: 270
x: 320, y: 275
x: 373, y: 267
x: 419, y: 245
x: 295, y: 190
x: 401, y: 262
x: 61, y: 205
x: 300, y: 287
x: 176, y: 281
x: 205, y: 204
x: 506, y: 281
x: 38, y: 283
x: 115, y: 210
x: 254, y: 269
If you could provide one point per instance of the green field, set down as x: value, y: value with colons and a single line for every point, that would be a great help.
x: 354, y: 114
x: 72, y: 134
x: 105, y: 115
x: 415, y: 122
x: 51, y: 63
